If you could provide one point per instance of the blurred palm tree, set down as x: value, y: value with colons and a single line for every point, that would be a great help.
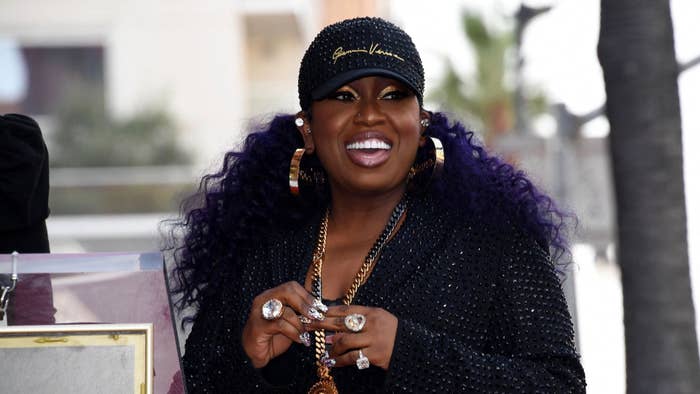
x: 487, y: 99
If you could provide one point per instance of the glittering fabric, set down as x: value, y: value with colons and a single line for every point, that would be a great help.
x: 480, y: 310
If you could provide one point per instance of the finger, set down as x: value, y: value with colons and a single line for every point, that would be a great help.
x: 330, y: 324
x: 304, y: 303
x: 293, y: 295
x: 338, y: 323
x: 292, y: 318
x: 302, y: 333
x: 350, y: 358
x: 282, y: 326
x: 344, y: 343
x: 343, y: 310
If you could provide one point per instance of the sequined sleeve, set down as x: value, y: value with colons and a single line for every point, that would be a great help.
x: 213, y: 347
x: 526, y: 344
x: 214, y: 360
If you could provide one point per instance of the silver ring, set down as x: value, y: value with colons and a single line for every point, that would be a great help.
x: 355, y: 322
x: 362, y: 361
x: 272, y: 309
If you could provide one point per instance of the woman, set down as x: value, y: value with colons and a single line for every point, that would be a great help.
x: 374, y: 262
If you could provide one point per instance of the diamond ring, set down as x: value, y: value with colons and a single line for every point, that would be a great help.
x: 272, y: 309
x: 362, y: 361
x: 355, y: 322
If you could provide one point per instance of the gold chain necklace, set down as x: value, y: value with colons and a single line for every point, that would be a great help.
x: 326, y: 384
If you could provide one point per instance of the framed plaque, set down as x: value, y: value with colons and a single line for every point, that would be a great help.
x: 88, y: 291
x: 80, y: 358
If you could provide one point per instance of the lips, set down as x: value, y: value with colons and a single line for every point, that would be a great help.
x: 369, y: 149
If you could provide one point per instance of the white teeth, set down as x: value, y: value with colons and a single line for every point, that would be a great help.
x: 369, y: 144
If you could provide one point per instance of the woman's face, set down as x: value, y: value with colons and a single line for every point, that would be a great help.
x: 366, y: 135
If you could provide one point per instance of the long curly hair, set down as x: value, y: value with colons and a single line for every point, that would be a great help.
x: 249, y: 194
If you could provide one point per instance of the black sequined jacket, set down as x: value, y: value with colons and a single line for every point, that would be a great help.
x: 480, y: 310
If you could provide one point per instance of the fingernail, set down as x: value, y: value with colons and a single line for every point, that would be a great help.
x: 329, y: 339
x: 316, y: 314
x: 305, y: 338
x: 320, y: 306
x: 329, y: 362
x: 304, y: 320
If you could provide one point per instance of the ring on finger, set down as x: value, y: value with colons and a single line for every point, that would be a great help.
x: 355, y: 322
x: 362, y: 361
x: 272, y: 309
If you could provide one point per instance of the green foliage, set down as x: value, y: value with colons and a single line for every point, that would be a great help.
x: 85, y: 135
x: 486, y: 99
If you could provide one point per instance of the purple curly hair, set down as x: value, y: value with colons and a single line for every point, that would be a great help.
x: 240, y: 202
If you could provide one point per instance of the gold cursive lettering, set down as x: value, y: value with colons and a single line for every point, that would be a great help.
x: 373, y: 50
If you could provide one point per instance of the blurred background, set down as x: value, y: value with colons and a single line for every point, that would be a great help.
x: 138, y: 99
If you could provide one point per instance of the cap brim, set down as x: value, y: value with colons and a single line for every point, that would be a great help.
x: 341, y: 79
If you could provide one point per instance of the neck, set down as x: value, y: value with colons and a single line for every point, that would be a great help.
x: 349, y: 210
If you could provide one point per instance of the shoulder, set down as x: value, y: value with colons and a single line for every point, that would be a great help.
x: 490, y: 237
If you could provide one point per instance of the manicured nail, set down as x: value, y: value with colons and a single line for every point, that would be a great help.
x: 304, y: 320
x: 329, y: 362
x: 320, y: 306
x: 316, y: 314
x: 305, y: 338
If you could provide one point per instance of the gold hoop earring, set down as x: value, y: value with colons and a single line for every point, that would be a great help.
x: 294, y: 170
x: 418, y: 174
x: 439, y: 157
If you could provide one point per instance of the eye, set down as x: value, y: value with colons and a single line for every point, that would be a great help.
x: 342, y: 95
x: 394, y: 94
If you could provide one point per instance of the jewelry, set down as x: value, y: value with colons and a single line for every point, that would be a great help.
x: 294, y: 166
x: 304, y: 320
x: 328, y: 361
x: 362, y: 362
x: 439, y: 154
x: 305, y: 338
x: 355, y: 322
x: 425, y: 122
x: 326, y: 384
x: 299, y: 122
x: 272, y: 309
x: 436, y: 163
x: 316, y: 314
x: 312, y: 175
x: 318, y: 304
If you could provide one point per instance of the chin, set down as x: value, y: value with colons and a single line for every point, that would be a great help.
x: 373, y: 185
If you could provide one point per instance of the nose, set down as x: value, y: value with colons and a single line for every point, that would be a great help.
x: 369, y: 112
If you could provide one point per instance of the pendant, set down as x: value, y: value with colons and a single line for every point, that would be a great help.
x: 324, y: 386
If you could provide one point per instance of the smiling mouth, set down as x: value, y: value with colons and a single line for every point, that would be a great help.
x: 370, y: 144
x: 369, y: 152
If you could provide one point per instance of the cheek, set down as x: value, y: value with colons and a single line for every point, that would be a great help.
x: 410, y: 129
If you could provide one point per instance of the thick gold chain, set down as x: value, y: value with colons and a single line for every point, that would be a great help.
x: 319, y: 254
x: 326, y: 383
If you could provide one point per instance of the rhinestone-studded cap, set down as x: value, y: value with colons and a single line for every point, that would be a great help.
x: 355, y: 48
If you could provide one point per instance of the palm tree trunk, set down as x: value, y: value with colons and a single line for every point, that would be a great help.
x: 636, y: 51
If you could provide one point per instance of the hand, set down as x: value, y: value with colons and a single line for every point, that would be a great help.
x: 263, y: 339
x: 376, y: 339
